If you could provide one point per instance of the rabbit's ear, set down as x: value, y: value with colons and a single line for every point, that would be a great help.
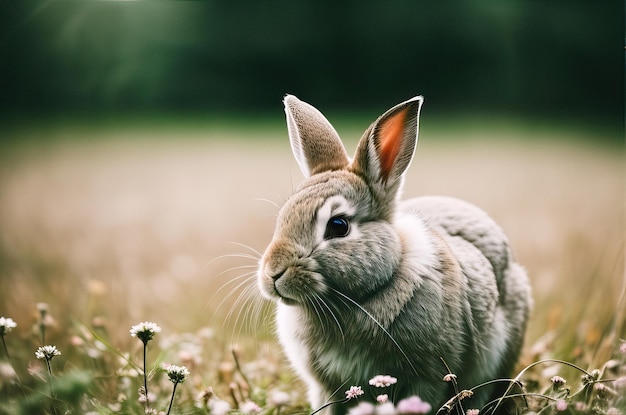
x: 387, y: 147
x: 314, y: 142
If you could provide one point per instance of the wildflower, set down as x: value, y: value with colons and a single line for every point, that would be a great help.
x: 561, y: 405
x: 353, y: 392
x: 278, y: 398
x: 622, y: 348
x: 145, y: 331
x: 47, y: 352
x: 382, y: 398
x: 386, y: 408
x: 42, y: 308
x: 450, y: 377
x: 413, y: 405
x: 44, y: 320
x: 6, y: 325
x: 7, y: 372
x: 249, y: 407
x: 363, y: 408
x: 177, y: 374
x: 473, y: 411
x: 382, y: 381
x: 143, y: 398
x: 557, y: 381
x: 218, y: 407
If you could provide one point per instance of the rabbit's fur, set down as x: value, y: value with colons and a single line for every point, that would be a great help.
x: 410, y: 285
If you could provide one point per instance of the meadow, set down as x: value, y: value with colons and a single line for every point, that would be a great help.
x: 106, y: 224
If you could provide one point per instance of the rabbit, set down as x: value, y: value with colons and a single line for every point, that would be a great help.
x: 366, y: 284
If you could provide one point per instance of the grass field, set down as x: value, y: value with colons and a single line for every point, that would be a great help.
x: 111, y: 225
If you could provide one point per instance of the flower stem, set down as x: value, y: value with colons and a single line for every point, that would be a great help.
x: 172, y: 400
x: 49, y: 377
x: 329, y: 404
x: 4, y: 343
x: 145, y: 375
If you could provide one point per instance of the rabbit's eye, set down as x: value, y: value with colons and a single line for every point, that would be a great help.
x: 337, y: 227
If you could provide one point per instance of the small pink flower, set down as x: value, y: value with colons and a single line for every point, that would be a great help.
x: 413, y: 405
x: 386, y: 408
x: 622, y: 348
x: 449, y: 377
x: 473, y: 411
x: 363, y: 408
x: 354, y: 392
x: 249, y: 407
x: 561, y: 405
x: 382, y: 381
x: 382, y: 398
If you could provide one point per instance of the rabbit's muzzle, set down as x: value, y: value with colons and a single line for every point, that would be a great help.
x: 288, y: 274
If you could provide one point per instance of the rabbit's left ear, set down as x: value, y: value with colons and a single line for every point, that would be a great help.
x: 387, y: 147
x: 314, y: 142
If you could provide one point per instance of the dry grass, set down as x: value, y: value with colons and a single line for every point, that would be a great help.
x: 130, y: 224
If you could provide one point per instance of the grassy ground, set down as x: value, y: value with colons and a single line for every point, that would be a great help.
x: 111, y: 225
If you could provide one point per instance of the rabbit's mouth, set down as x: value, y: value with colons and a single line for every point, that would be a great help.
x: 293, y: 285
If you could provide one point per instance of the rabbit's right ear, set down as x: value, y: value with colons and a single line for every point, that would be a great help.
x: 314, y: 142
x: 386, y: 149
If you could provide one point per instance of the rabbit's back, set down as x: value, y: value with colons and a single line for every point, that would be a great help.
x: 498, y: 288
x: 456, y: 218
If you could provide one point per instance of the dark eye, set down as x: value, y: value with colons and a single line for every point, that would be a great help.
x: 337, y: 227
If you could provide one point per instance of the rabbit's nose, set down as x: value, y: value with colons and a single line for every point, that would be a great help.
x: 275, y: 275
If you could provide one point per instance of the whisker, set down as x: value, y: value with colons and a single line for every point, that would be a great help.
x: 380, y: 326
x: 237, y: 255
x: 236, y: 280
x: 332, y: 313
x: 240, y: 281
x: 271, y: 202
x: 242, y: 305
x: 312, y: 300
x: 248, y: 247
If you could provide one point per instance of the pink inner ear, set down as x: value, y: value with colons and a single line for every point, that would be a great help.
x: 390, y: 135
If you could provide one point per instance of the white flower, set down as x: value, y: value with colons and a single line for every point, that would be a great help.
x: 382, y: 398
x: 249, y: 407
x: 353, y: 392
x: 278, y: 398
x: 557, y: 381
x: 382, y: 381
x: 6, y: 325
x: 145, y: 331
x: 413, y: 405
x: 142, y: 398
x: 47, y: 352
x: 386, y: 408
x: 363, y: 408
x: 218, y: 407
x: 177, y: 374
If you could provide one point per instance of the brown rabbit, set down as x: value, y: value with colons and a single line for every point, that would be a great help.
x: 368, y: 285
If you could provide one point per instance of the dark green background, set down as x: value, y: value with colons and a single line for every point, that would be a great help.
x: 557, y: 59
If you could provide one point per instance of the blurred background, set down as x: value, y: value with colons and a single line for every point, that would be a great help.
x: 559, y: 59
x: 139, y: 139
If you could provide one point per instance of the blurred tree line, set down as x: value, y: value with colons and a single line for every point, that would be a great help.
x: 557, y: 58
